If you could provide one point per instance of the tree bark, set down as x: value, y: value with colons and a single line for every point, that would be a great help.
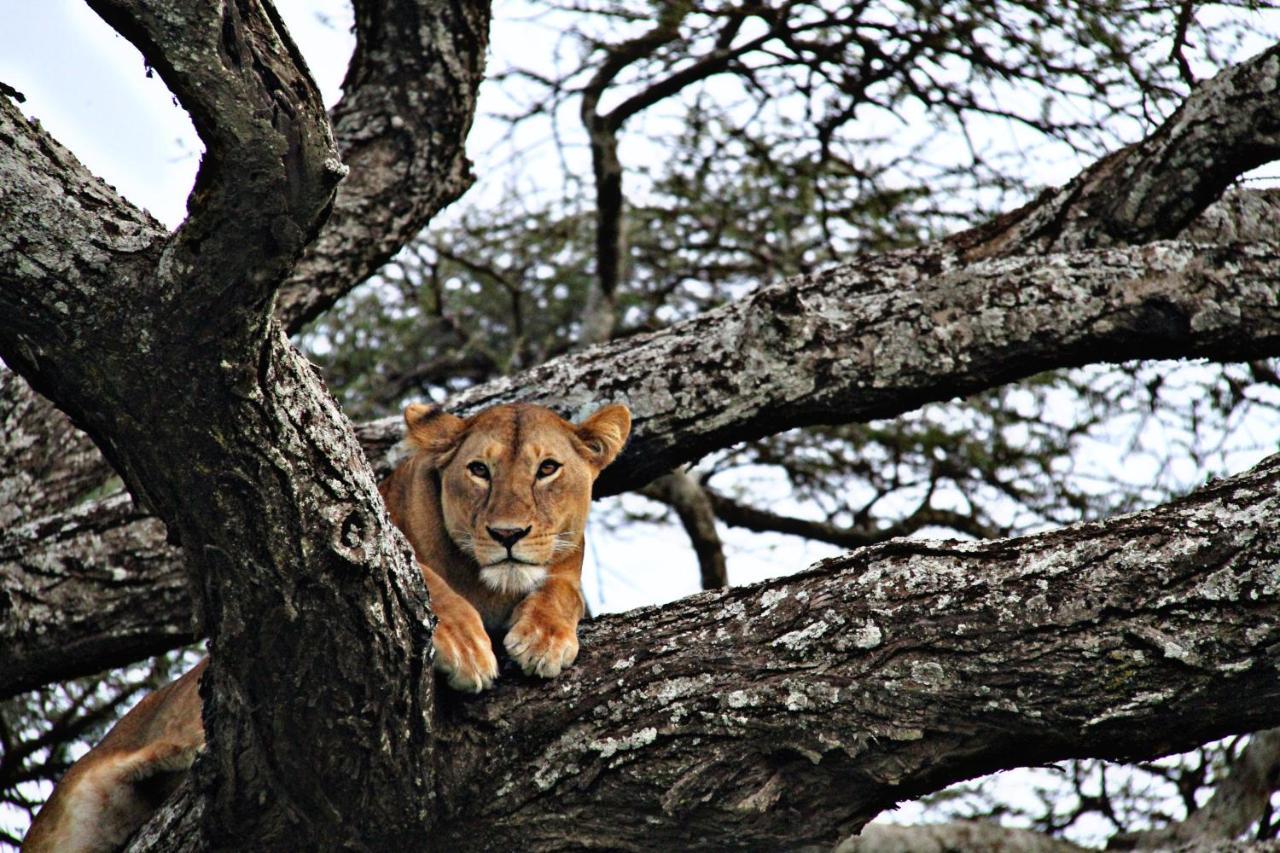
x: 726, y: 717
x: 407, y: 105
x: 882, y: 336
x: 408, y: 100
x: 81, y: 591
x: 251, y: 465
x: 792, y: 712
x: 46, y: 465
x: 106, y: 589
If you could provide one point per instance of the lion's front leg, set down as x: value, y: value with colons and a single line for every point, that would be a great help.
x: 544, y: 628
x: 463, y: 651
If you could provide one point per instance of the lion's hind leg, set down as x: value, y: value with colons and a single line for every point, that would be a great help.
x: 110, y: 798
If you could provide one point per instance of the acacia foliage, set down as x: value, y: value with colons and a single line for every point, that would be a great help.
x: 761, y: 150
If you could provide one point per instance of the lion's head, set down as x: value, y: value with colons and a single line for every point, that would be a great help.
x: 515, y: 483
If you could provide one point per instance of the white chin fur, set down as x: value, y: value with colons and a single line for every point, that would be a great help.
x: 513, y: 578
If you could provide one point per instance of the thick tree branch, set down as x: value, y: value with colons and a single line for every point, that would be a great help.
x: 881, y: 336
x: 94, y: 587
x: 879, y: 675
x: 1153, y: 189
x: 270, y: 166
x: 403, y: 142
x: 46, y: 464
x: 252, y: 467
x: 406, y: 109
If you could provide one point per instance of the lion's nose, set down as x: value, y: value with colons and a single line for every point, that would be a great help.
x: 508, y: 536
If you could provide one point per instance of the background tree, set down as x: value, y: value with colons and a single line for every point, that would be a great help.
x: 762, y: 154
x: 487, y: 343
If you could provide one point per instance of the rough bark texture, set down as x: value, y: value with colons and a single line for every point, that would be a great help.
x: 769, y: 716
x: 1152, y: 190
x: 878, y: 338
x: 887, y: 673
x: 882, y: 336
x: 46, y: 465
x: 251, y: 466
x: 758, y: 717
x: 94, y: 587
x: 408, y: 100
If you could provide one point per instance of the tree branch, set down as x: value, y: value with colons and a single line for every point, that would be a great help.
x: 879, y: 675
x: 1153, y: 189
x: 408, y: 100
x: 881, y: 336
x: 252, y: 466
x: 93, y: 587
x: 46, y: 464
x: 1237, y: 802
x: 404, y: 145
x: 693, y: 505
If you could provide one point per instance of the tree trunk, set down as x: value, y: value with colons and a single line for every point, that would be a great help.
x: 162, y: 347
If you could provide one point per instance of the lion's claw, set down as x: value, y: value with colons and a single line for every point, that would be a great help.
x: 541, y: 649
x: 464, y: 654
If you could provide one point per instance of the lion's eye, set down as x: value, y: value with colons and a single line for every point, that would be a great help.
x: 547, y: 468
x: 479, y: 469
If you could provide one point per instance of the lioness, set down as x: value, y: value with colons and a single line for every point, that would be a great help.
x: 495, y: 507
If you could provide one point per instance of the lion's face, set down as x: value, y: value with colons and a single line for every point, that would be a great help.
x: 516, y: 483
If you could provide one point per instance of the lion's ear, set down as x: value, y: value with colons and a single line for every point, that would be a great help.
x: 604, y: 434
x: 433, y: 430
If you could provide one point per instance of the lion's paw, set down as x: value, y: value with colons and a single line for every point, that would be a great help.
x: 541, y: 648
x: 464, y: 653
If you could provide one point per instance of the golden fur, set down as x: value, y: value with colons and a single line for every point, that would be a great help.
x: 501, y: 549
x: 117, y: 785
x: 533, y: 588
